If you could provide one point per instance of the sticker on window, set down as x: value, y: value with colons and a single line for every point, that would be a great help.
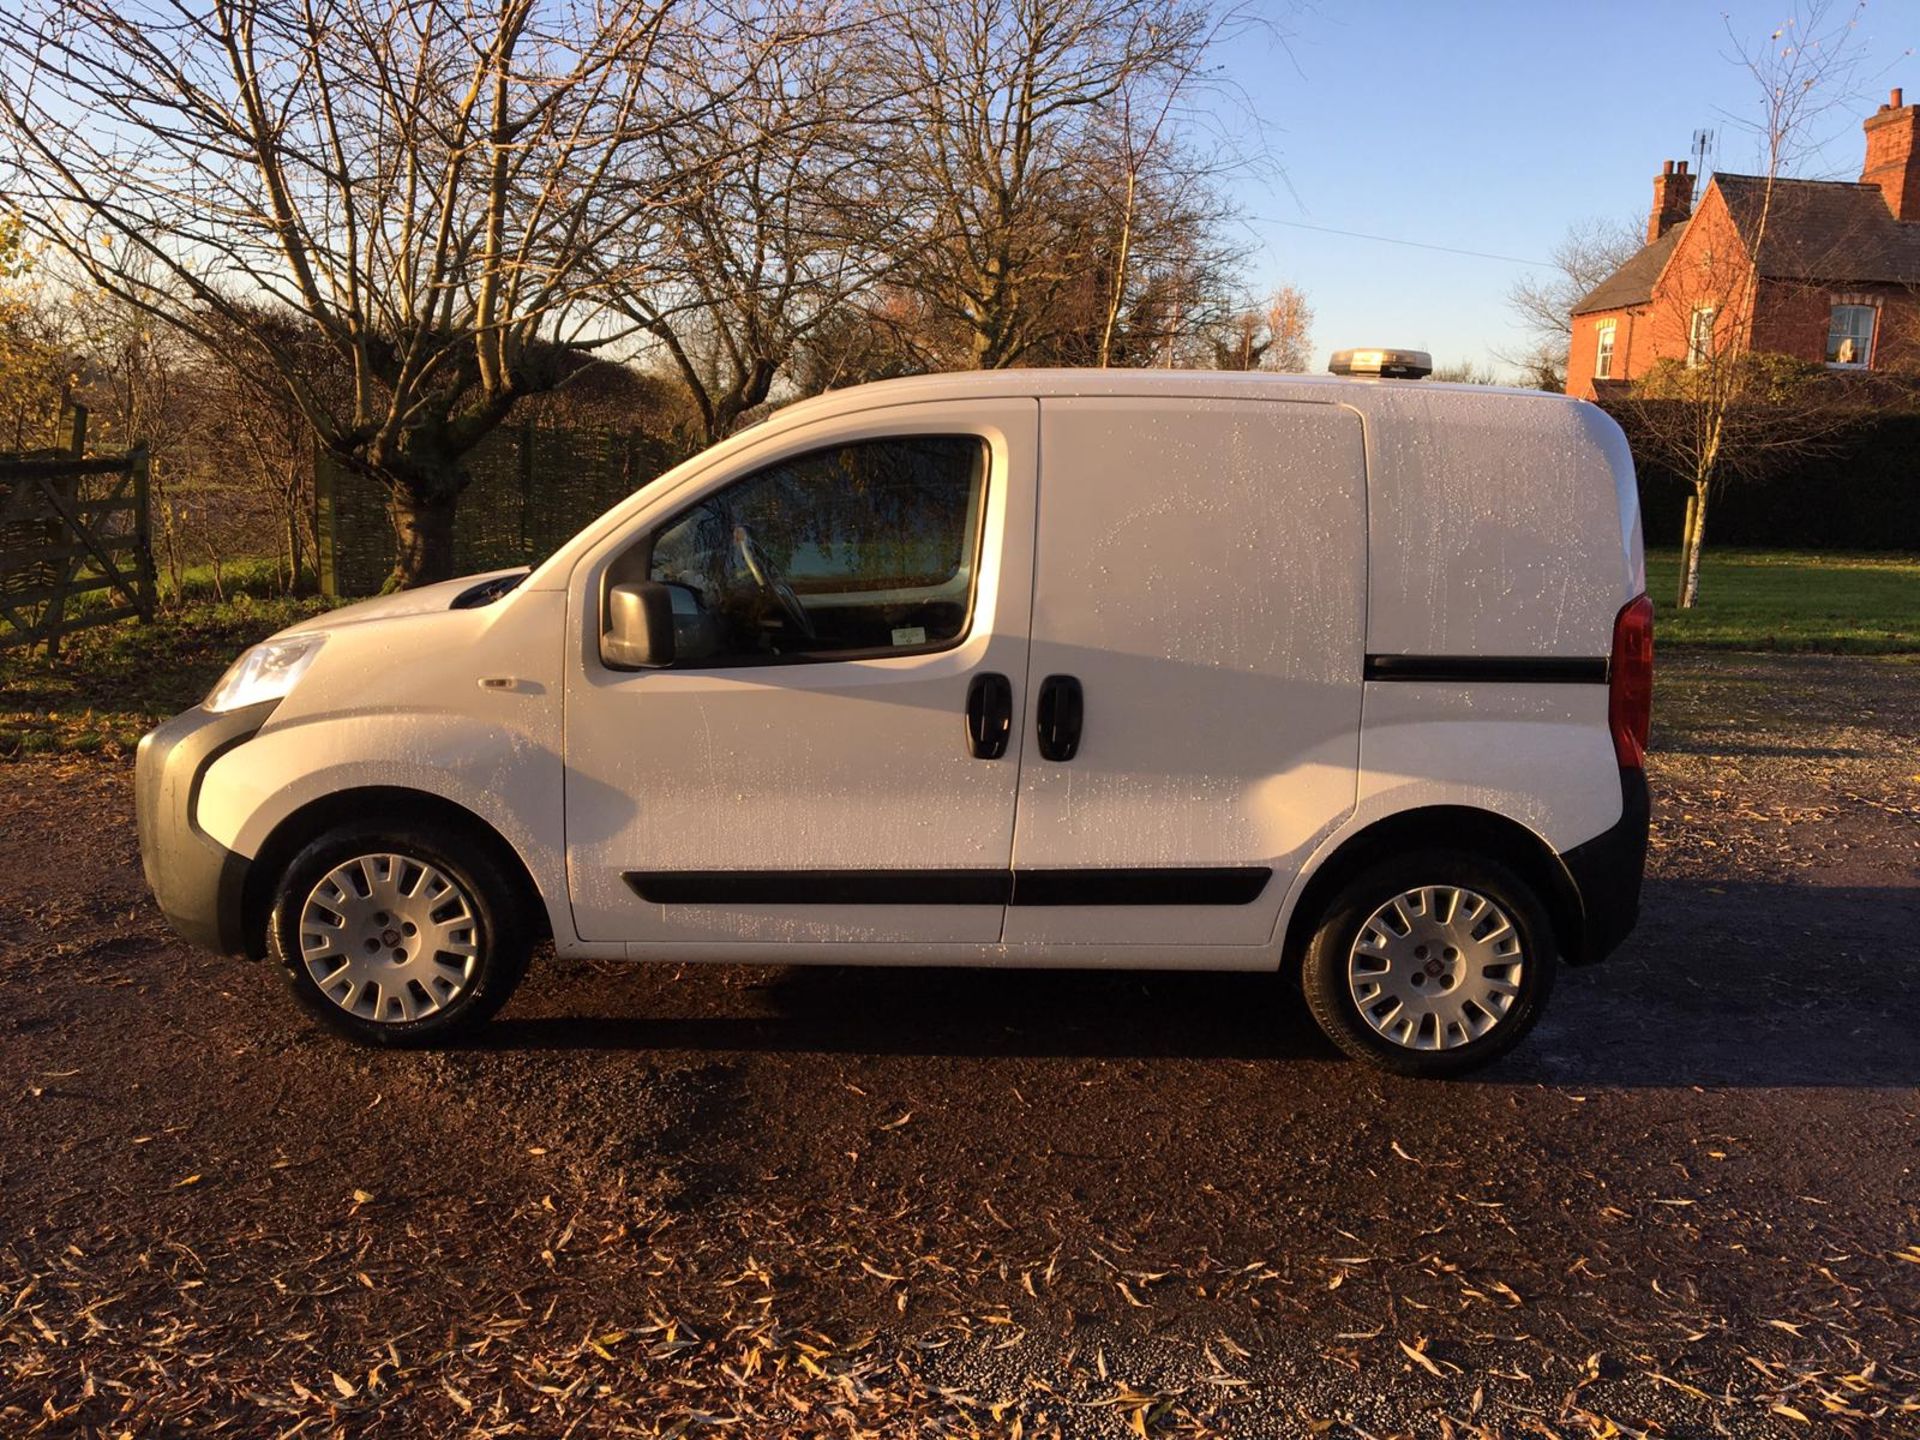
x: 910, y: 635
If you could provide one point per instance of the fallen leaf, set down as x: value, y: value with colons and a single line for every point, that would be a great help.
x: 1420, y: 1358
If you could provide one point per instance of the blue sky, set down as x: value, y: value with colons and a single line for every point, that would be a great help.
x: 1493, y: 127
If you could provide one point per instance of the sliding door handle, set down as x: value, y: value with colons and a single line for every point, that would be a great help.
x: 989, y: 715
x: 1060, y: 711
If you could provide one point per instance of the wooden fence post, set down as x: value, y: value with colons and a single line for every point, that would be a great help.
x: 146, y: 581
x: 54, y: 613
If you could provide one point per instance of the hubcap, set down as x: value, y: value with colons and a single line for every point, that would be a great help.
x: 1435, y: 968
x: 389, y: 938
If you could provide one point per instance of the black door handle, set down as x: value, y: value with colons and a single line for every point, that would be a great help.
x: 989, y: 715
x: 1060, y: 710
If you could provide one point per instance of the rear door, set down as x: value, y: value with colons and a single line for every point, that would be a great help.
x: 1199, y: 589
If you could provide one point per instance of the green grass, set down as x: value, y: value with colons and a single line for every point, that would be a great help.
x: 1838, y: 604
x: 113, y: 683
x: 257, y: 577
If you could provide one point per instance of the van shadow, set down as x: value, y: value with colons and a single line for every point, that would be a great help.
x: 940, y: 1011
x: 1745, y: 985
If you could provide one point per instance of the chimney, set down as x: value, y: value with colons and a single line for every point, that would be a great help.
x: 1672, y: 199
x: 1893, y: 159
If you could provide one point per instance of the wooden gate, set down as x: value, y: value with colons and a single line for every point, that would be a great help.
x: 72, y: 525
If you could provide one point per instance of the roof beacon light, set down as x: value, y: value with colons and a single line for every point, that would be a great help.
x: 1387, y: 364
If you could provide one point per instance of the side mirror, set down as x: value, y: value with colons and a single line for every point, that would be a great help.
x: 639, y: 629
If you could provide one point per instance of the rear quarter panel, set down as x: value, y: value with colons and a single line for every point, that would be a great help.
x: 1500, y: 525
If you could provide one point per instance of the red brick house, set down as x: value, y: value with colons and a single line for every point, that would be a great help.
x: 1837, y: 278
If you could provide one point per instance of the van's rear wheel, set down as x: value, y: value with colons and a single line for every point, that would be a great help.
x: 399, y: 935
x: 1430, y: 963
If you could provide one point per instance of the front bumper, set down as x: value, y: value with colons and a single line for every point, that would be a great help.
x: 199, y: 883
x: 1606, y: 872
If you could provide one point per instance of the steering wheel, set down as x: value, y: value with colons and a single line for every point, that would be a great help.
x: 771, y: 582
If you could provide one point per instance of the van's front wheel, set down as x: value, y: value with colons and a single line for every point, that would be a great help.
x: 398, y: 935
x: 1430, y: 963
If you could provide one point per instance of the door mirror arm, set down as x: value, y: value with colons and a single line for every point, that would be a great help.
x: 638, y: 630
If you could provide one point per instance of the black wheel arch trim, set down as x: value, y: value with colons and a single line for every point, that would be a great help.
x: 1607, y: 872
x: 1590, y: 893
x: 301, y: 827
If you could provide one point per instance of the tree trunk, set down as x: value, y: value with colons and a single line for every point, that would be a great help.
x: 1686, y: 549
x: 1690, y: 551
x: 422, y: 539
x: 292, y: 539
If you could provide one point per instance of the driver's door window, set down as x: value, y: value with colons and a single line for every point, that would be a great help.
x: 867, y: 548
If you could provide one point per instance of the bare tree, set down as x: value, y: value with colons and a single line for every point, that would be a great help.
x: 1728, y: 410
x: 1589, y: 252
x: 135, y: 377
x: 793, y: 214
x: 1159, y: 264
x: 1164, y: 193
x: 1466, y: 372
x: 1275, y: 336
x: 1001, y: 102
x: 429, y: 184
x: 38, y: 366
x: 268, y: 441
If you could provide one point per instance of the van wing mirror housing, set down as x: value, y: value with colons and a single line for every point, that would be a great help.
x: 638, y: 634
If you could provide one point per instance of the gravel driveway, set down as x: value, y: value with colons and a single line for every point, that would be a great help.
x: 761, y: 1203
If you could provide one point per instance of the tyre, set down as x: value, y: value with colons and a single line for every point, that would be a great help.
x: 400, y: 934
x: 1430, y: 963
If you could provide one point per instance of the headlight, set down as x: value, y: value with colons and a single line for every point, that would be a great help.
x: 266, y: 672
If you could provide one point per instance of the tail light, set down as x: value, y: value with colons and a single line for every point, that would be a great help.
x: 1630, y: 682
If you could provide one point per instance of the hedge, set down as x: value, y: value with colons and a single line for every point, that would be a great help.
x: 1862, y: 492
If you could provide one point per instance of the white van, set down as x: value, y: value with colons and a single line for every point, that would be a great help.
x: 1347, y: 678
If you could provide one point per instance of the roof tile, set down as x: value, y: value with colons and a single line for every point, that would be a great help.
x: 1829, y: 230
x: 1632, y: 283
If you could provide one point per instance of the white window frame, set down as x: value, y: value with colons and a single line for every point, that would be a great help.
x: 1603, y: 349
x: 1700, y: 335
x: 1864, y: 346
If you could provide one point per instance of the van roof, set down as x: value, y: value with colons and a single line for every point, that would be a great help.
x: 1041, y: 383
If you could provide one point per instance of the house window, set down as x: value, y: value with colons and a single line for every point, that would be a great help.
x: 1700, y: 337
x: 1850, y: 336
x: 1603, y: 352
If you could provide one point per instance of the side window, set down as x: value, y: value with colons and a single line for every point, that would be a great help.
x: 866, y: 548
